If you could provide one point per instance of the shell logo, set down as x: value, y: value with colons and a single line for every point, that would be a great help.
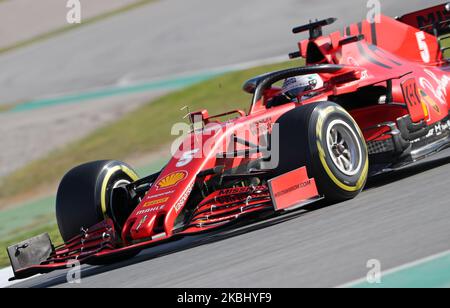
x: 171, y: 180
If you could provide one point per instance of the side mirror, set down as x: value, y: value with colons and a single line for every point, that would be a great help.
x: 199, y: 116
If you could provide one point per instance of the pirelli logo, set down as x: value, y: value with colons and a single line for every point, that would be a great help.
x: 155, y: 202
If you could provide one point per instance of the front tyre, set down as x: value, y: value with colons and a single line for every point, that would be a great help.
x: 327, y: 140
x: 84, y: 194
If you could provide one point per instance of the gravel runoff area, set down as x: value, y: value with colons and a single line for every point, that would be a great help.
x: 24, y: 19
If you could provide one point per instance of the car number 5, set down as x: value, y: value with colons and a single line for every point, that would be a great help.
x: 186, y: 158
x: 423, y: 47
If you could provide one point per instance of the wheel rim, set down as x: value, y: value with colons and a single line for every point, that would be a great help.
x: 344, y: 147
x: 119, y: 183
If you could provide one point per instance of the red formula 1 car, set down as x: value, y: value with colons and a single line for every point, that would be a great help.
x: 383, y: 104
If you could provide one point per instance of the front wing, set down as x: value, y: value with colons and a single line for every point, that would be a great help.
x: 101, y: 243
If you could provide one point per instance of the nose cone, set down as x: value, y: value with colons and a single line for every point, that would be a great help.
x: 167, y: 196
x: 146, y: 225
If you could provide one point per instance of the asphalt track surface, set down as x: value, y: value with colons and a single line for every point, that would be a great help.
x: 169, y: 37
x: 398, y: 219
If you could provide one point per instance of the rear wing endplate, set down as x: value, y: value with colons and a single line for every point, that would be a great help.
x: 434, y: 20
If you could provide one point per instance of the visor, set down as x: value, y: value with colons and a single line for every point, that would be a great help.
x: 296, y: 92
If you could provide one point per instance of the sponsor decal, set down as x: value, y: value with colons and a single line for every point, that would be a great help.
x: 261, y: 127
x: 353, y: 62
x: 436, y: 86
x: 232, y: 191
x: 171, y: 180
x: 155, y: 202
x: 437, y: 130
x: 238, y: 194
x: 160, y: 195
x: 429, y: 101
x: 364, y: 75
x: 143, y: 220
x: 184, y: 198
x: 410, y: 93
x: 293, y: 188
x: 437, y: 18
x: 413, y: 99
x: 150, y: 210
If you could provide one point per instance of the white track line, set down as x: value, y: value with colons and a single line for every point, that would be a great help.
x: 398, y: 268
x: 7, y: 273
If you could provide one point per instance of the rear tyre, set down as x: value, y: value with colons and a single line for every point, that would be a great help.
x: 83, y: 197
x: 327, y: 140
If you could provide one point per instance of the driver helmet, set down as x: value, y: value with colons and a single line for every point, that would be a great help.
x: 293, y: 87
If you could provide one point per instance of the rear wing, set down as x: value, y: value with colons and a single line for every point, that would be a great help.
x: 434, y: 20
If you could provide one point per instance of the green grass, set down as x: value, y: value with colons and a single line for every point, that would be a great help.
x: 5, y: 107
x: 141, y: 131
x: 68, y: 28
x: 445, y: 44
x: 52, y: 230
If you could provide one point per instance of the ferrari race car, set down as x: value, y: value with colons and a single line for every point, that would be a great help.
x: 383, y: 104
